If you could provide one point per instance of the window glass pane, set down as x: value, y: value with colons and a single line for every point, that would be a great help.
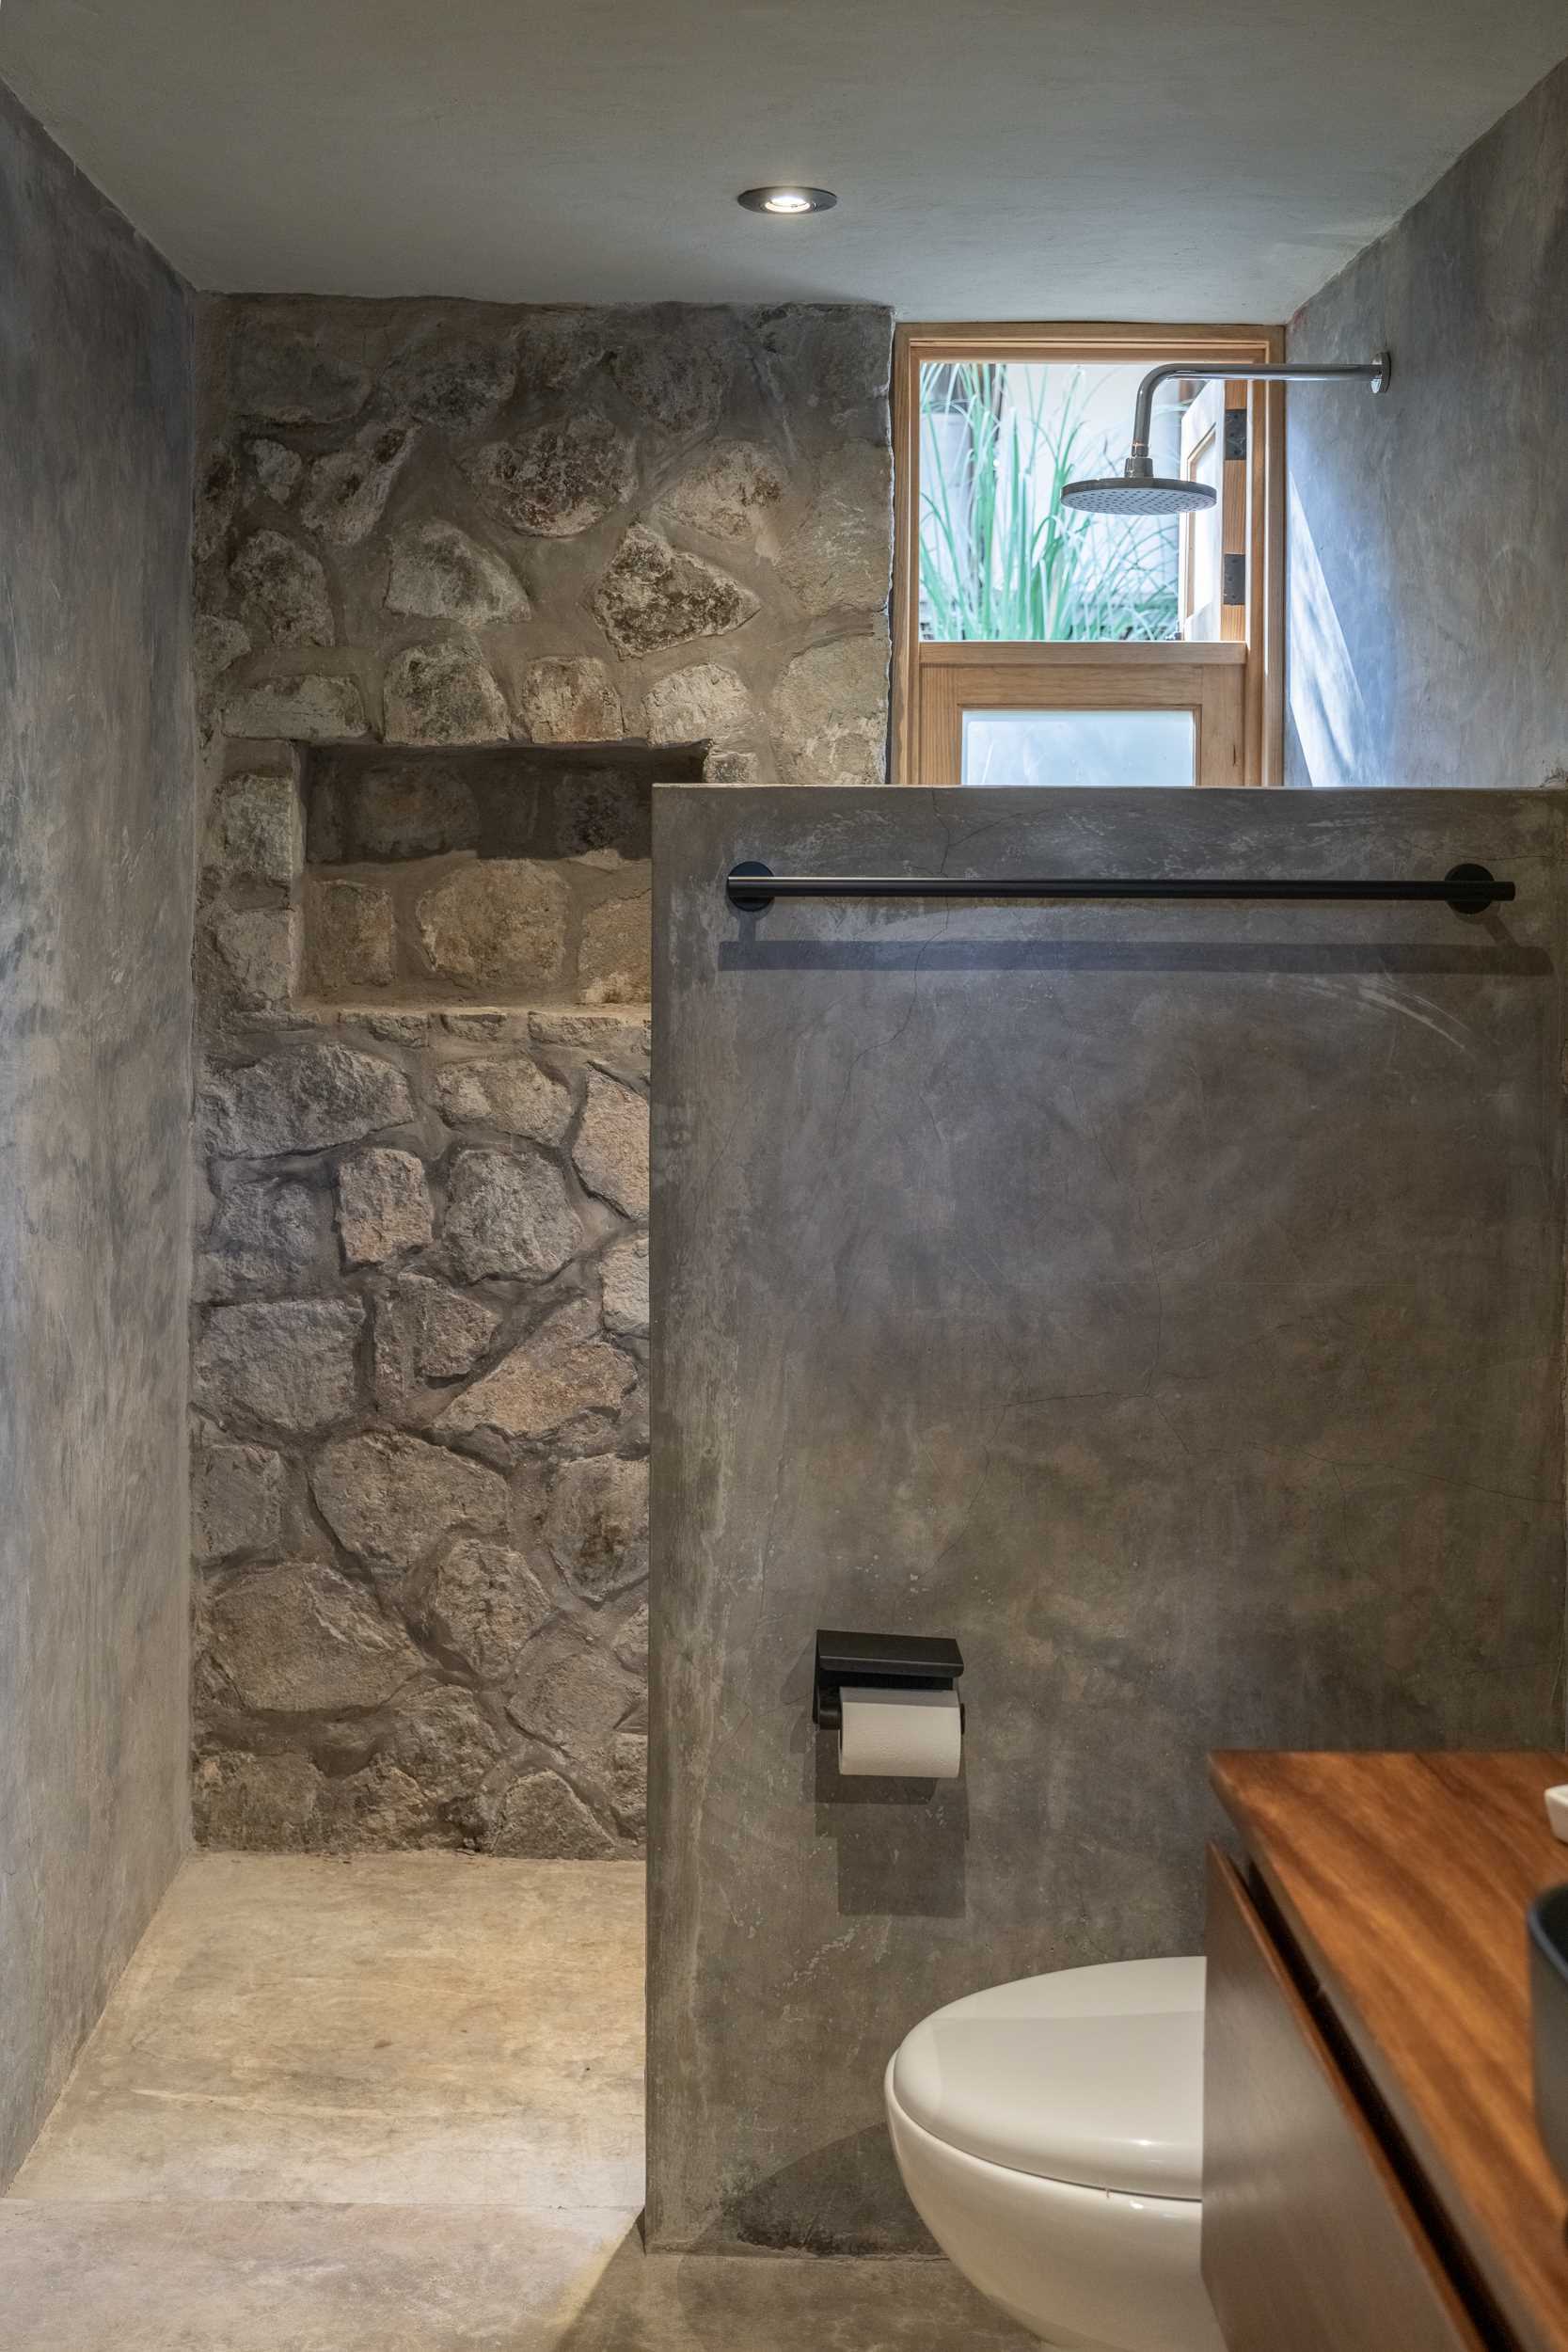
x: 1202, y: 539
x: 1124, y: 747
x: 1001, y: 559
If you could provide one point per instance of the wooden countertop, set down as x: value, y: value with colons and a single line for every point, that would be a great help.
x: 1405, y: 1881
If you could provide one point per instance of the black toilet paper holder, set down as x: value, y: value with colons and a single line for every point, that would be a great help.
x: 884, y: 1661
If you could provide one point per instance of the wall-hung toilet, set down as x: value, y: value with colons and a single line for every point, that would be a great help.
x: 1050, y: 2133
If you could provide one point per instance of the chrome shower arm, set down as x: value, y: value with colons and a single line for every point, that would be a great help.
x: 1374, y: 373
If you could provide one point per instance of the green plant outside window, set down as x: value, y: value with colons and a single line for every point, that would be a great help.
x: 1000, y: 559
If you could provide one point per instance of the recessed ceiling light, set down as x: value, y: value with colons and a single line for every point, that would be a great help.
x: 787, y: 201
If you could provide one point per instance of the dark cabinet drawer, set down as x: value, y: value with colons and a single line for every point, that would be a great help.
x: 1309, y: 2242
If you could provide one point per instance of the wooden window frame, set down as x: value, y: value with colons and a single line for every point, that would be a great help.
x: 929, y: 680
x: 1084, y: 675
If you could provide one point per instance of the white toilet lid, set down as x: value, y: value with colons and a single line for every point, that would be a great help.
x: 1091, y: 2075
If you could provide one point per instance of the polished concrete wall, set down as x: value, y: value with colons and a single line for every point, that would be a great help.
x: 1167, y: 1301
x: 95, y: 936
x: 1427, y: 530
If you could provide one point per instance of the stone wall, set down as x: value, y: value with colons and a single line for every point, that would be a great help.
x: 96, y: 857
x: 419, y: 1470
x: 467, y: 579
x: 433, y: 522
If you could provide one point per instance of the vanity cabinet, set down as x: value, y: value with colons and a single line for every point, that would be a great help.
x: 1372, y: 2177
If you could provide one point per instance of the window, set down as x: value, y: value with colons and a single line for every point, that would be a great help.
x: 1037, y: 646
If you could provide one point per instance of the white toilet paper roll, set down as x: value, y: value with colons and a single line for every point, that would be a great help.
x: 904, y: 1735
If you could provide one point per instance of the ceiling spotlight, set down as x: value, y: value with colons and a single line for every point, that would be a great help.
x: 787, y: 201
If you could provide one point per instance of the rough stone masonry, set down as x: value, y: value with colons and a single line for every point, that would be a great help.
x: 419, y: 1382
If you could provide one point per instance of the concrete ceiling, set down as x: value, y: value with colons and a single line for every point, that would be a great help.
x: 1163, y: 159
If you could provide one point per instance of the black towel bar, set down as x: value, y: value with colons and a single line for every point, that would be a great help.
x: 752, y: 887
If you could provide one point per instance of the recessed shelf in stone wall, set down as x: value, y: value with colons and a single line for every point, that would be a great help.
x: 498, y: 876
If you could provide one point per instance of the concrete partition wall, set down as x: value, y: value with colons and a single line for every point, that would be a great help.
x: 1164, y: 1299
x: 96, y: 803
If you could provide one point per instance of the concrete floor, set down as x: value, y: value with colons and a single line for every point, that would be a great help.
x: 395, y: 2105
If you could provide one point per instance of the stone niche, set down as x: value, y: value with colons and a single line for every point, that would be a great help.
x: 496, y: 876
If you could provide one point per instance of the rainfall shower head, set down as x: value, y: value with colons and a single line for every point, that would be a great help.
x: 1146, y: 492
x: 1139, y: 490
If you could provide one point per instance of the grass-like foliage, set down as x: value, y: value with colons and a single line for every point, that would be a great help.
x: 1000, y: 557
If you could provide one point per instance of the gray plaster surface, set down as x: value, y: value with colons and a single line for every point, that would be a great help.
x: 1215, y: 179
x: 1165, y: 1301
x: 1428, y: 534
x: 95, y: 1002
x: 394, y: 2104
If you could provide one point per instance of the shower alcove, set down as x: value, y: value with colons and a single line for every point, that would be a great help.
x: 514, y: 876
x: 419, y: 1457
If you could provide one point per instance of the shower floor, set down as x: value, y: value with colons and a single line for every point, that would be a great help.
x: 395, y: 2105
